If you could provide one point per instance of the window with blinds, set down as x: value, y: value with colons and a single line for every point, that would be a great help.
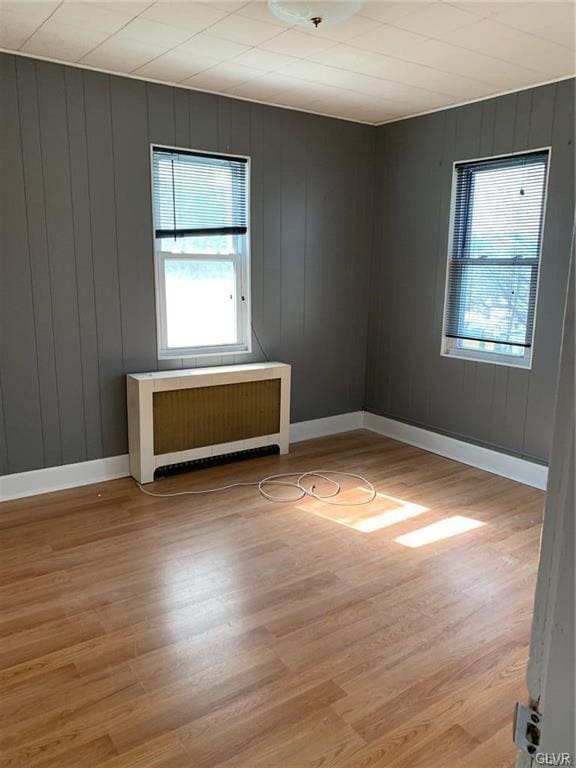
x: 201, y: 231
x: 494, y: 258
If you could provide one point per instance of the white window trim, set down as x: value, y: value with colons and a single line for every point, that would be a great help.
x: 448, y: 346
x: 485, y: 356
x: 242, y: 258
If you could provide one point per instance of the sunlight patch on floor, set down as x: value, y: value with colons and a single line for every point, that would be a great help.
x: 443, y: 529
x: 403, y: 512
x: 381, y: 513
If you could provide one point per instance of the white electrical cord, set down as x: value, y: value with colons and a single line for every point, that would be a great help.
x: 301, y: 489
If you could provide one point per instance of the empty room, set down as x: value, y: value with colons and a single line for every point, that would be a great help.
x: 287, y: 384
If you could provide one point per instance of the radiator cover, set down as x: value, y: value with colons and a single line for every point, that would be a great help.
x: 185, y: 415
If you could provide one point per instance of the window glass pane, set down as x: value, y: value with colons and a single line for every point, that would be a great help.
x: 208, y: 244
x: 505, y: 212
x: 494, y: 301
x: 490, y: 346
x: 200, y: 302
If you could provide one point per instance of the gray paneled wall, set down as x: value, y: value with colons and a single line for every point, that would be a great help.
x: 506, y: 408
x: 77, y: 285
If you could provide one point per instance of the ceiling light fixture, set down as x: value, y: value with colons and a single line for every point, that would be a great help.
x: 312, y: 13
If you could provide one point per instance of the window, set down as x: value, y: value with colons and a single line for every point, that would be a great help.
x: 494, y: 258
x: 201, y: 231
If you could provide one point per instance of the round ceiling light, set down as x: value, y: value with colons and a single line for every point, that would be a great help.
x: 313, y: 13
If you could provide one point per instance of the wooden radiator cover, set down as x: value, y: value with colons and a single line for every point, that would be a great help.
x: 193, y: 418
x: 182, y: 415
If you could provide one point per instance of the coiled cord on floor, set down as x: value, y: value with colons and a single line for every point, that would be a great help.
x: 302, y: 490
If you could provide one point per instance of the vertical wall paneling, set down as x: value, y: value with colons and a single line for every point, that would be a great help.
x: 503, y: 407
x: 60, y: 238
x: 447, y: 376
x: 375, y: 271
x: 161, y: 114
x: 77, y: 271
x: 3, y: 443
x: 293, y: 153
x: 423, y: 342
x: 181, y: 119
x: 257, y: 228
x: 241, y: 144
x: 349, y: 240
x: 240, y: 127
x: 203, y: 119
x: 162, y: 130
x: 80, y: 196
x: 361, y: 247
x: 320, y: 263
x: 404, y: 287
x: 134, y: 236
x: 378, y: 348
x: 337, y: 260
x: 105, y: 260
x: 270, y: 332
x: 39, y: 259
x: 553, y: 119
x: 341, y: 170
x: 224, y: 125
x: 18, y: 351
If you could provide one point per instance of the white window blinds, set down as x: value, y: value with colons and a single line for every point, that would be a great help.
x: 495, y: 249
x: 198, y: 194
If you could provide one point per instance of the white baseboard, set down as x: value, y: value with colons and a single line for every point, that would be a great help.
x: 97, y: 471
x: 331, y: 425
x: 66, y: 476
x: 522, y: 470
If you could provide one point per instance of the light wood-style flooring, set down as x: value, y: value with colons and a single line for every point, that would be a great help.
x: 229, y: 631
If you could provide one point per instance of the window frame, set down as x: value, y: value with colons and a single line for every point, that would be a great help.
x: 240, y: 257
x: 448, y: 345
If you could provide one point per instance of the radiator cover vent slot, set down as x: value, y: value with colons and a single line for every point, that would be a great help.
x: 214, y: 461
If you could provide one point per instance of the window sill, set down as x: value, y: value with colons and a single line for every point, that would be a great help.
x: 487, y: 357
x: 192, y: 354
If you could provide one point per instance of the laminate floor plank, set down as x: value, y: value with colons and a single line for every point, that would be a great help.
x: 227, y: 631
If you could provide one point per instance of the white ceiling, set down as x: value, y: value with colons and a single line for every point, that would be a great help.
x: 391, y: 60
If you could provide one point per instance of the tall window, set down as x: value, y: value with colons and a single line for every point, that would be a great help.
x: 494, y: 258
x: 201, y: 228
